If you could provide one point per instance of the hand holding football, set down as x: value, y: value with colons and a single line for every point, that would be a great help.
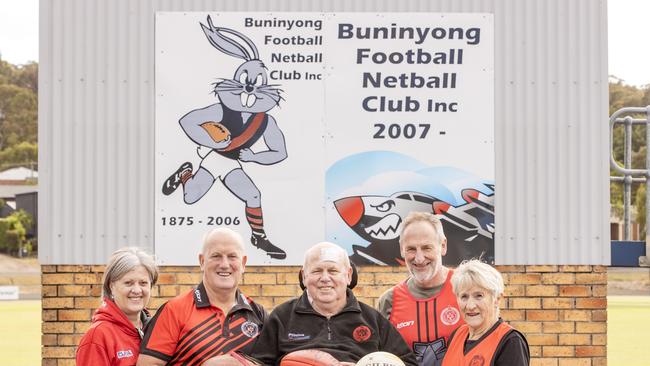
x: 309, y: 357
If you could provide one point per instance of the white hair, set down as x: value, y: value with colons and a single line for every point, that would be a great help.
x: 317, y: 250
x: 427, y: 217
x: 474, y: 272
x: 218, y: 234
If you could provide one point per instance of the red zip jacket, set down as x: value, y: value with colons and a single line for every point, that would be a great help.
x: 111, y: 340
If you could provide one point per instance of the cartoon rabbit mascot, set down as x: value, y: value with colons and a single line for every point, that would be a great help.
x: 226, y: 130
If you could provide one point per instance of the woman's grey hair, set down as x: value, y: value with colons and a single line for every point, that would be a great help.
x: 125, y: 260
x: 474, y: 272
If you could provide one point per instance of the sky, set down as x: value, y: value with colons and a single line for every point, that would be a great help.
x: 629, y: 54
x: 19, y: 31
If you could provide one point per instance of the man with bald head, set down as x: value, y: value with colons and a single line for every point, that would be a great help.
x: 214, y: 324
x: 328, y: 317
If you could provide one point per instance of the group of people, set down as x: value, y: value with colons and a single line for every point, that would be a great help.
x: 437, y: 316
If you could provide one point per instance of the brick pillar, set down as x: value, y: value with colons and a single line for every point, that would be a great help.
x: 561, y: 309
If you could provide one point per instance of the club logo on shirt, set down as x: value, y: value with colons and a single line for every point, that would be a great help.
x: 124, y: 354
x: 449, y: 316
x: 477, y: 360
x: 249, y: 329
x: 361, y: 333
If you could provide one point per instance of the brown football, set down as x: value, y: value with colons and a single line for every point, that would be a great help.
x: 309, y: 357
x: 216, y: 130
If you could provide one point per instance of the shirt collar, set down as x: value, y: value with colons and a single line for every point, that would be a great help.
x: 201, y: 299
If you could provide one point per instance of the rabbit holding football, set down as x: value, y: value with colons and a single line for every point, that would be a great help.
x: 226, y: 130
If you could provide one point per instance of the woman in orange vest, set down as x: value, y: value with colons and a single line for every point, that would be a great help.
x: 485, y: 339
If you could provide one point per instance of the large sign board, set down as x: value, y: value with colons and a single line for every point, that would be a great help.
x: 294, y: 128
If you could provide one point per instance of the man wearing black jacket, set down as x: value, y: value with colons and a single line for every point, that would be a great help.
x: 328, y: 317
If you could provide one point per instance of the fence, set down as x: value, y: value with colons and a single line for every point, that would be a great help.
x: 626, y: 116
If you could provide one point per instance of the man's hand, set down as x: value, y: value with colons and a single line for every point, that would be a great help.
x: 228, y: 360
x: 223, y: 360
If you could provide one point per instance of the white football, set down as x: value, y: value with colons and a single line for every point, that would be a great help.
x: 380, y: 359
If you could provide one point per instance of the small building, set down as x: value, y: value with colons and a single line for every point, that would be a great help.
x: 18, y: 176
x: 28, y: 202
x: 9, y: 192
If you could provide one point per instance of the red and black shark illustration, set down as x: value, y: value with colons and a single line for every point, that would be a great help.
x: 469, y: 227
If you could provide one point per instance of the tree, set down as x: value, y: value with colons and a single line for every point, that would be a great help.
x: 25, y: 219
x: 12, y: 234
x: 18, y: 117
x: 18, y: 109
x: 616, y: 199
x: 620, y: 96
x: 24, y: 153
x: 640, y: 210
x: 23, y: 76
x: 26, y: 76
x: 18, y: 141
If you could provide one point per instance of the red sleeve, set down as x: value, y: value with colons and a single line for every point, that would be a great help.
x: 162, y: 334
x: 90, y: 353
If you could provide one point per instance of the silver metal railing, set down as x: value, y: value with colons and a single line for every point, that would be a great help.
x: 624, y: 116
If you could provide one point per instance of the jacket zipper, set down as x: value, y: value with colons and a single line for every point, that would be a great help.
x: 329, y: 330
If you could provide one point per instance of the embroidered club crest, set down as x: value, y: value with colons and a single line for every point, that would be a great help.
x: 477, y: 360
x: 249, y: 329
x: 449, y: 316
x: 361, y: 333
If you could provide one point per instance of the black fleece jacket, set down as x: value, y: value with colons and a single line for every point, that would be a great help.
x: 348, y: 336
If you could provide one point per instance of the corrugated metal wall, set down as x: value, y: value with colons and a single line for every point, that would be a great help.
x: 96, y: 123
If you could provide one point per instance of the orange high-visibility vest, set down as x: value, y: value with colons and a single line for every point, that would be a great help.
x: 481, y: 354
x: 423, y: 321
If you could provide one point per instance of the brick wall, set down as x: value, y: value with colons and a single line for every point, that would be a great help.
x: 562, y: 310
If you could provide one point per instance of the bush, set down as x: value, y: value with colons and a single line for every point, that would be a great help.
x: 12, y: 234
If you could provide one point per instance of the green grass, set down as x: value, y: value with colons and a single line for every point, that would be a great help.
x: 628, y: 277
x: 20, y: 332
x: 628, y: 321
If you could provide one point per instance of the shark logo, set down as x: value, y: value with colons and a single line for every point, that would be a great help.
x: 469, y: 227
